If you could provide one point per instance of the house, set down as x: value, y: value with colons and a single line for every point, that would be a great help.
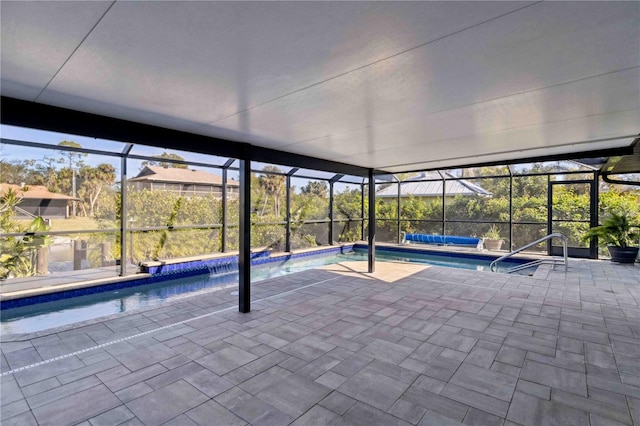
x: 185, y: 182
x: 419, y: 186
x: 37, y: 200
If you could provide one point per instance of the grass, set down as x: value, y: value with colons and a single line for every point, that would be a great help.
x: 71, y: 224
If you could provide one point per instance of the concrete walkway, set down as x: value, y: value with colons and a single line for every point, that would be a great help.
x: 409, y: 344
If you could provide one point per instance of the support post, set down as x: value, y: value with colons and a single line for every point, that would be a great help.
x: 511, y: 245
x: 362, y: 237
x: 549, y: 212
x: 244, y: 233
x: 287, y: 243
x: 223, y: 218
x: 398, y: 212
x: 444, y: 196
x: 123, y: 210
x: 372, y: 222
x: 331, y: 213
x: 594, y: 212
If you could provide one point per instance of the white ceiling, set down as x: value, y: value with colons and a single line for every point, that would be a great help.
x: 386, y: 85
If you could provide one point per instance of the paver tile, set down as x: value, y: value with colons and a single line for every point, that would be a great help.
x: 531, y: 411
x: 437, y: 403
x: 24, y: 419
x: 454, y: 341
x: 481, y: 357
x: 609, y: 411
x: 308, y: 348
x: 133, y: 392
x: 11, y: 391
x: 252, y: 409
x: 117, y: 382
x: 407, y: 411
x: 471, y: 322
x: 209, y: 383
x: 294, y: 395
x: 484, y: 381
x: 46, y: 371
x: 431, y: 418
x: 114, y: 416
x: 145, y: 357
x: 212, y: 412
x: 477, y: 417
x: 319, y: 416
x: 554, y: 377
x: 386, y: 351
x: 265, y: 379
x: 226, y: 360
x: 364, y: 415
x: 166, y: 403
x: 337, y: 402
x: 374, y: 388
x: 61, y: 391
x: 74, y: 408
x: 475, y: 399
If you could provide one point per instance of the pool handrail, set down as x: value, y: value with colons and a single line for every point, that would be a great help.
x: 553, y: 261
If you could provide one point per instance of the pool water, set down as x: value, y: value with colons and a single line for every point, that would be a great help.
x: 43, y: 316
x: 459, y: 262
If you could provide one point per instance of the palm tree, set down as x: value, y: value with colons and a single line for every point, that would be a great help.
x: 273, y: 185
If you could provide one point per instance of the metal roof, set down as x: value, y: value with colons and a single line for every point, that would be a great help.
x: 172, y: 174
x: 418, y: 187
x: 34, y: 192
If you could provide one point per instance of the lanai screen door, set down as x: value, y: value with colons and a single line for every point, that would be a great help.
x: 572, y: 207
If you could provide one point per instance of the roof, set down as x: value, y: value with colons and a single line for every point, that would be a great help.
x: 171, y: 174
x: 34, y: 192
x: 416, y: 188
x: 389, y: 86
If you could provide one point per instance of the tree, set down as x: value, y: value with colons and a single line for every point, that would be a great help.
x: 273, y: 186
x: 317, y: 188
x: 18, y: 255
x: 166, y: 164
x: 74, y: 159
x: 94, y: 179
x: 17, y: 172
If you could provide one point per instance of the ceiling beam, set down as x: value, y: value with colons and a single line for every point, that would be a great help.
x: 16, y: 112
x: 610, y: 152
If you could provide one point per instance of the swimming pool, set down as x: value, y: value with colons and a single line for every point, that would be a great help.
x: 462, y: 260
x: 42, y: 316
x: 57, y: 313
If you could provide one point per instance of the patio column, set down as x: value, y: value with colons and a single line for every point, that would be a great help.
x: 362, y: 236
x: 123, y: 210
x: 330, y: 213
x: 372, y: 222
x: 398, y: 211
x: 244, y: 234
x: 223, y: 217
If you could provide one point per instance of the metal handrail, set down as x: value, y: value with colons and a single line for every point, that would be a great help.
x: 565, y: 260
x: 24, y: 212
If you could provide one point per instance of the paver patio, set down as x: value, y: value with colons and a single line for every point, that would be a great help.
x: 409, y: 344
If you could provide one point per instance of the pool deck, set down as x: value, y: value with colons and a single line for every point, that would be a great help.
x: 408, y: 344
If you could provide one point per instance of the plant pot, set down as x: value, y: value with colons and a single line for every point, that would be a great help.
x: 493, y: 244
x: 623, y: 255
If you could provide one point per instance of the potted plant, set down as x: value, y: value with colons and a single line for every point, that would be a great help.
x: 492, y: 239
x: 617, y: 233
